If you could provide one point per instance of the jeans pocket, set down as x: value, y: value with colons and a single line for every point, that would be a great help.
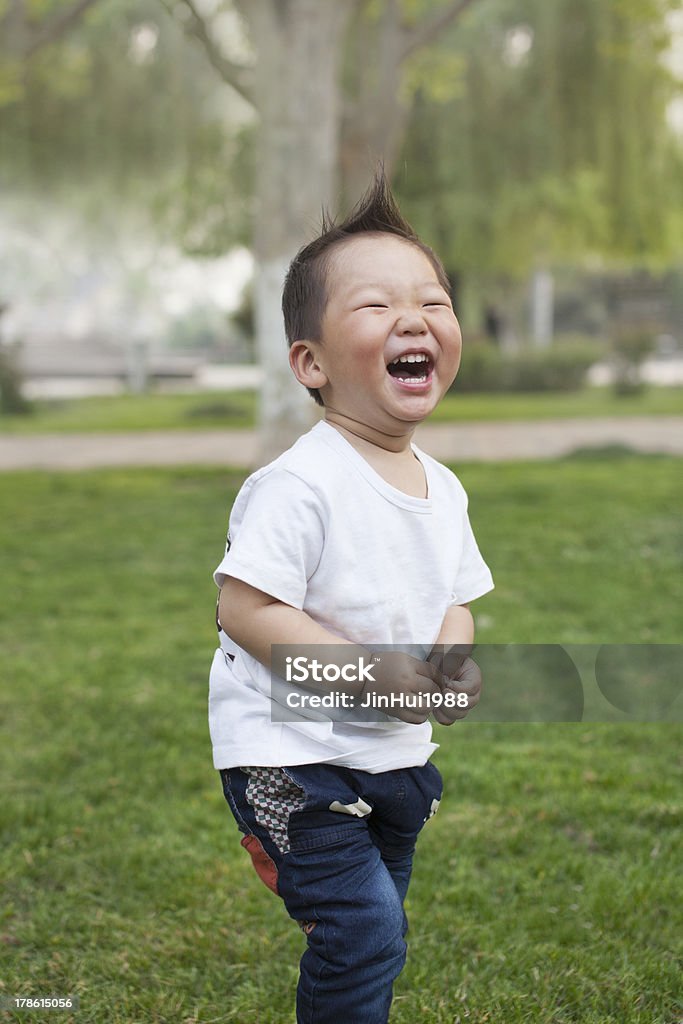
x: 429, y: 784
x: 305, y: 839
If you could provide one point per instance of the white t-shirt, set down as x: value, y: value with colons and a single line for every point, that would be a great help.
x: 320, y: 530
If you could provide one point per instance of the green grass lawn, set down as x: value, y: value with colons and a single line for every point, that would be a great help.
x: 238, y: 409
x: 557, y: 405
x: 545, y: 890
x: 200, y: 411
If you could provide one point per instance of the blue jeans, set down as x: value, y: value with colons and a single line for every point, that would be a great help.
x: 337, y: 845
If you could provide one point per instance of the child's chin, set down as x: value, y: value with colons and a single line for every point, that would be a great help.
x: 416, y: 411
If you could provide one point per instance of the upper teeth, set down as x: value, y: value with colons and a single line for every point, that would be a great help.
x: 418, y: 357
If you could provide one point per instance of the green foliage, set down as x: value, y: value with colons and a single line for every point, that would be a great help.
x: 560, y: 368
x: 122, y: 110
x: 11, y: 89
x: 630, y: 347
x: 634, y: 345
x: 438, y: 75
x: 201, y: 201
x: 559, y: 151
x: 554, y: 145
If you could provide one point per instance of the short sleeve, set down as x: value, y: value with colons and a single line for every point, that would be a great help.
x: 473, y: 578
x: 276, y: 537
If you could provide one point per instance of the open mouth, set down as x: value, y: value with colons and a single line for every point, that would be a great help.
x: 411, y: 368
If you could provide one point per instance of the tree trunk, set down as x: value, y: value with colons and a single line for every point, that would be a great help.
x: 542, y: 308
x: 374, y: 116
x: 297, y: 95
x: 376, y: 109
x: 296, y: 89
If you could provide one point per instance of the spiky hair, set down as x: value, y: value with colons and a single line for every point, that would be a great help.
x: 305, y: 292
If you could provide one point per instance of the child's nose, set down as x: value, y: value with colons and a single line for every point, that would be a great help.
x: 411, y: 322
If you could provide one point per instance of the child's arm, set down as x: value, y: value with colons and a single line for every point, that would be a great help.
x: 451, y: 655
x: 457, y: 628
x: 256, y: 621
x: 455, y: 640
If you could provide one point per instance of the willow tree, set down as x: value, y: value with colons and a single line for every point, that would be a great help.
x: 552, y: 144
x: 105, y: 109
x: 111, y: 128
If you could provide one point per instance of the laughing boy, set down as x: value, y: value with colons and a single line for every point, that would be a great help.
x: 352, y: 540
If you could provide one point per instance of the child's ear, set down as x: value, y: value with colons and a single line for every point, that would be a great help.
x: 305, y: 366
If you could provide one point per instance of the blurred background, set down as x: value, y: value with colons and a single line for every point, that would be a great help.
x: 162, y: 160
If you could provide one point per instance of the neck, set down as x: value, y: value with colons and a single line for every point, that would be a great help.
x: 398, y: 442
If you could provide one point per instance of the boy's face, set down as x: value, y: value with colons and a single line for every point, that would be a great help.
x: 385, y: 304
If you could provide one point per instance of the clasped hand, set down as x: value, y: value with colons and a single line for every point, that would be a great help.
x: 420, y: 688
x: 460, y: 675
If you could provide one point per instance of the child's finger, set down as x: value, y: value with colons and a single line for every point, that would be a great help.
x: 469, y: 675
x: 426, y: 668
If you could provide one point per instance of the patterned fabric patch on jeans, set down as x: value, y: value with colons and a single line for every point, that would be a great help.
x: 274, y: 797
